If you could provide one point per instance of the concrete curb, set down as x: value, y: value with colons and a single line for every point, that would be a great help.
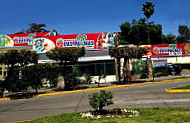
x: 109, y: 87
x: 102, y: 88
x: 5, y: 99
x: 177, y: 91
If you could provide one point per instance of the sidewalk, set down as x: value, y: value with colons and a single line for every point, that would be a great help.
x: 30, y: 94
x: 160, y: 78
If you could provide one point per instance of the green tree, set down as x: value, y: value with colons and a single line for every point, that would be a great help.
x: 35, y: 28
x: 128, y: 53
x: 65, y: 55
x: 14, y: 59
x: 136, y: 32
x: 184, y: 32
x: 33, y: 75
x: 181, y: 39
x: 52, y: 74
x: 26, y: 57
x: 148, y: 9
x: 168, y: 39
x: 100, y: 100
x: 124, y: 35
x: 11, y: 59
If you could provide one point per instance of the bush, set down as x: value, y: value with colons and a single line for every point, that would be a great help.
x: 70, y: 81
x: 160, y: 71
x: 2, y: 87
x: 100, y: 100
x: 52, y: 74
x: 88, y: 78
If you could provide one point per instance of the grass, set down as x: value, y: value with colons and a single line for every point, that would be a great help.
x: 146, y: 115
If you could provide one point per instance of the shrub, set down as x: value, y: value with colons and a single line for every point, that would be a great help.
x: 88, y: 78
x: 100, y: 100
x: 70, y: 81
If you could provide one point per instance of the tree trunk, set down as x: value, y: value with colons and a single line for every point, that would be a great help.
x: 124, y: 70
x: 133, y: 69
x: 148, y: 31
x: 117, y: 69
x: 128, y: 71
x: 2, y: 91
x: 64, y: 75
x: 36, y: 88
x: 149, y: 67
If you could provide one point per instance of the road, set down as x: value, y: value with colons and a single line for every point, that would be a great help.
x: 143, y: 96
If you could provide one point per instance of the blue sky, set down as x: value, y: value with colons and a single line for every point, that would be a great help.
x: 89, y: 16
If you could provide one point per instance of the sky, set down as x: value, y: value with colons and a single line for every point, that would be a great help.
x: 89, y: 16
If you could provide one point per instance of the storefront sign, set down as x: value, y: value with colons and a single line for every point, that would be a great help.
x: 43, y: 42
x: 15, y: 40
x: 170, y: 50
x: 90, y: 41
x: 160, y: 63
x: 81, y: 40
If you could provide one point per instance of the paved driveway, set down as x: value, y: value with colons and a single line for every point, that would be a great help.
x: 143, y: 96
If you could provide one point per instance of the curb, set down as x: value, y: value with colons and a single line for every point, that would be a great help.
x: 177, y: 91
x: 5, y: 99
x: 104, y: 88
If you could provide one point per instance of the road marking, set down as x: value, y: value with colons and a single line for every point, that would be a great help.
x: 151, y: 101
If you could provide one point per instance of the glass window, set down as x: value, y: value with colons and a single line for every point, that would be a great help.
x: 110, y: 69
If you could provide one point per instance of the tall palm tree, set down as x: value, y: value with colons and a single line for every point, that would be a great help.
x: 148, y: 9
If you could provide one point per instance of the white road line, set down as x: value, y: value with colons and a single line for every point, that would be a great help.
x: 152, y: 101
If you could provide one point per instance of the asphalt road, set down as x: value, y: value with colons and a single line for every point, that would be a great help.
x: 143, y: 96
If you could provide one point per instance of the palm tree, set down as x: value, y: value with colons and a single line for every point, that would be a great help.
x: 148, y: 9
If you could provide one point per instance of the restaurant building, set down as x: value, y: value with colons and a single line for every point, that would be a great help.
x: 96, y: 59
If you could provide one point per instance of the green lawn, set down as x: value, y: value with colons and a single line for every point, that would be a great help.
x: 177, y: 115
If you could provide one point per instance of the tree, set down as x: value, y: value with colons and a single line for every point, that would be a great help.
x: 11, y: 58
x: 65, y: 55
x: 52, y: 74
x: 128, y: 53
x: 184, y: 32
x: 36, y: 28
x: 148, y: 9
x: 169, y: 39
x: 181, y: 39
x: 15, y: 59
x: 136, y: 32
x: 33, y: 75
x: 125, y: 33
x: 27, y: 57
